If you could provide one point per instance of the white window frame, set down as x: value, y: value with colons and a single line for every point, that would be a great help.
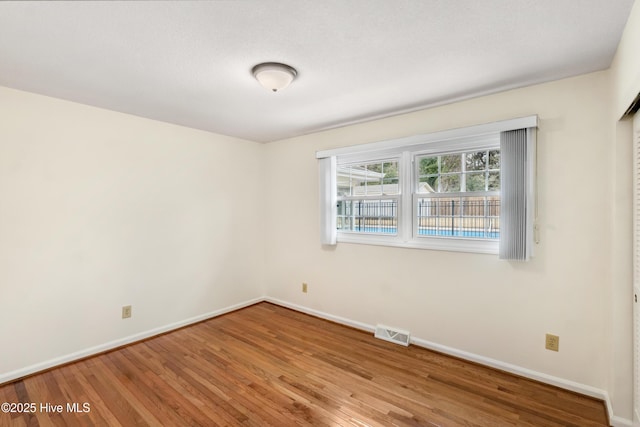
x: 460, y: 244
x: 382, y: 196
x: 407, y: 234
x: 474, y: 138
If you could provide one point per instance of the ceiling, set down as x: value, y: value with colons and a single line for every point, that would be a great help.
x: 189, y: 62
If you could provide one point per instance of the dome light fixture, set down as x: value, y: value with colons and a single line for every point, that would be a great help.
x: 273, y: 75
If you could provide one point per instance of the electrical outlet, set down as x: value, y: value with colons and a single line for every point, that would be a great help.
x: 126, y: 311
x: 304, y: 288
x: 552, y: 342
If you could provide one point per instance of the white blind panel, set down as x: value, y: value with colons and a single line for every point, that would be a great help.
x: 328, y: 200
x: 514, y: 184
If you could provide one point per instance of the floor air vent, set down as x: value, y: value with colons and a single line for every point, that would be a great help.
x: 393, y: 335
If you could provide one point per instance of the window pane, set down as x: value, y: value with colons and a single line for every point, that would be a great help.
x: 476, y: 161
x: 444, y: 173
x: 494, y: 159
x: 428, y: 184
x: 390, y: 181
x: 494, y: 181
x: 368, y: 216
x: 449, y: 183
x: 372, y: 184
x: 368, y: 179
x: 470, y: 217
x: 343, y: 188
x: 450, y: 163
x: 347, y: 178
x: 476, y: 181
x: 428, y: 166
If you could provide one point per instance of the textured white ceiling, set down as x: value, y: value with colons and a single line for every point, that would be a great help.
x: 189, y: 62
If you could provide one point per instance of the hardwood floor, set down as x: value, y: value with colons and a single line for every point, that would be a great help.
x: 267, y: 365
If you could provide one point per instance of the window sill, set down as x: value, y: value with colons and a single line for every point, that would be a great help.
x: 430, y: 243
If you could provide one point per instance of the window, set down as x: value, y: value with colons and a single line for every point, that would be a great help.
x: 468, y: 190
x: 458, y: 195
x: 368, y: 195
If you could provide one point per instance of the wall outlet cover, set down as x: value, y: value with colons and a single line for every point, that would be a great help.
x: 552, y: 342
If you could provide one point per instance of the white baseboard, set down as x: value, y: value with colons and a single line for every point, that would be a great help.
x: 322, y: 315
x: 48, y: 364
x: 619, y: 422
x: 497, y: 364
x: 514, y: 369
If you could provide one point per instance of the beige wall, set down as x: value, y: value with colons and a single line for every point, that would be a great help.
x: 100, y: 209
x: 471, y: 302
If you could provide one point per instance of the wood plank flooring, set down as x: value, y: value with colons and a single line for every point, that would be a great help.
x: 267, y: 365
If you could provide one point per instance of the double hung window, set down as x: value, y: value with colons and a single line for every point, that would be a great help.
x: 368, y: 197
x: 443, y: 191
x: 458, y: 195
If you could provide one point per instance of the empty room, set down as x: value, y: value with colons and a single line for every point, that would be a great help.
x: 338, y: 213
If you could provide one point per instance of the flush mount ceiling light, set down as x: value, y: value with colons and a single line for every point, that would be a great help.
x: 273, y: 75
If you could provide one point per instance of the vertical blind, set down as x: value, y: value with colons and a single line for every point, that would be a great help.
x: 517, y: 151
x: 328, y: 200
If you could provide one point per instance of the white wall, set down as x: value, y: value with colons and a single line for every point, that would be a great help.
x: 471, y: 302
x: 100, y: 209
